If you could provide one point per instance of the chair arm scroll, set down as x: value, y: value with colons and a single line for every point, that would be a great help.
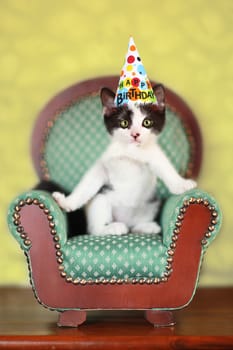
x: 44, y: 203
x: 174, y: 211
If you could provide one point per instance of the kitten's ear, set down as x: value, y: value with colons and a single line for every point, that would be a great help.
x: 107, y: 98
x: 159, y: 92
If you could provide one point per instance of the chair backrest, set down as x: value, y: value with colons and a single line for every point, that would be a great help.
x: 69, y: 134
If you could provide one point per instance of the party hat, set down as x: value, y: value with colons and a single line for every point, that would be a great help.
x: 134, y: 85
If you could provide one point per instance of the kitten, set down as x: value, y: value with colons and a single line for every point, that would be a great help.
x: 118, y: 192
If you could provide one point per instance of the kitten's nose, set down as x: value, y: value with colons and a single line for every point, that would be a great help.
x: 135, y: 135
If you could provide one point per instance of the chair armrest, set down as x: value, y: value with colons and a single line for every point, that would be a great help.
x: 45, y: 203
x: 174, y: 210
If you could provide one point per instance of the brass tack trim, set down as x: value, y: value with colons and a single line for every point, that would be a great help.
x: 16, y: 215
x: 178, y: 224
x: 112, y: 281
x: 149, y: 281
x: 68, y: 279
x: 29, y: 201
x: 120, y: 281
x: 199, y: 200
x: 176, y: 231
x: 83, y: 282
x: 208, y: 234
x: 60, y: 260
x: 164, y: 279
x: 90, y: 282
x: 76, y: 281
x: 174, y: 238
x: 156, y: 280
x: 204, y: 241
x: 192, y: 200
x: 173, y: 245
x: 170, y: 252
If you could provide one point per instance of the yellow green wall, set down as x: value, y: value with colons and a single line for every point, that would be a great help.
x: 46, y: 45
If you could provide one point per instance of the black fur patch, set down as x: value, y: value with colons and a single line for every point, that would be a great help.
x: 113, y: 119
x: 152, y: 112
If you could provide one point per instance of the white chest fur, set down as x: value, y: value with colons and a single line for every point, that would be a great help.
x: 132, y: 181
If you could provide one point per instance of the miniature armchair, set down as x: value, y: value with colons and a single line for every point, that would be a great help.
x: 71, y: 271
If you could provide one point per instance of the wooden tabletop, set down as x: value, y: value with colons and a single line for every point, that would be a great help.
x: 207, y: 323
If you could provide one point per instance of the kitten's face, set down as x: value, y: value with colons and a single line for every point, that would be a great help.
x: 133, y: 124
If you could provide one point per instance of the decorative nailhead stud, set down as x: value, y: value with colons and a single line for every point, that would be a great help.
x: 208, y: 234
x: 29, y: 201
x: 27, y: 242
x: 20, y: 229
x: 170, y: 252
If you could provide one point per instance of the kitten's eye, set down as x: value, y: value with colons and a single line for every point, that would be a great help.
x: 147, y: 123
x: 124, y: 123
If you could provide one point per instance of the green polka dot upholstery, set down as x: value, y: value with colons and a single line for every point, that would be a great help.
x: 125, y: 257
x: 78, y: 137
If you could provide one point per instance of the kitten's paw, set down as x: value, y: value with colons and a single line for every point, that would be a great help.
x: 61, y: 200
x: 147, y: 227
x: 115, y: 228
x: 183, y: 186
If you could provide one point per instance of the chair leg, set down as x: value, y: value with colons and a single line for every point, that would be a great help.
x: 72, y: 318
x: 160, y: 318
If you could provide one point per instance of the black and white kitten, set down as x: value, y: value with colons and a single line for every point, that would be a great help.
x: 118, y: 192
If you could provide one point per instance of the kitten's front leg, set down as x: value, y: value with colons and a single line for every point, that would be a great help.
x: 90, y: 184
x: 168, y: 174
x: 182, y: 185
x: 63, y: 201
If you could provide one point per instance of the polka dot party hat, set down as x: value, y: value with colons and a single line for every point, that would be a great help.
x: 134, y: 85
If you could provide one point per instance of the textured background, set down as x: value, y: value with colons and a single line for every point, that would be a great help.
x: 47, y: 45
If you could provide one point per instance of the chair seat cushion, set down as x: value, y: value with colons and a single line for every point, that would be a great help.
x: 126, y: 257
